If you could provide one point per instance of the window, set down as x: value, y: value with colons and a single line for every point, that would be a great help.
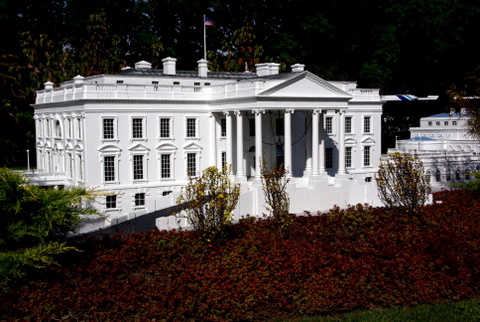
x: 191, y: 164
x: 428, y: 176
x: 111, y: 202
x: 137, y: 128
x: 139, y: 199
x: 109, y: 168
x: 437, y: 123
x: 445, y: 123
x: 223, y: 127
x: 366, y: 156
x: 79, y: 128
x: 165, y: 128
x: 454, y: 122
x: 448, y: 176
x: 467, y: 175
x: 329, y: 125
x: 348, y: 125
x: 69, y: 124
x: 58, y: 129
x: 328, y: 158
x: 438, y: 176
x: 138, y: 167
x: 429, y: 123
x: 280, y: 126
x: 251, y: 127
x: 165, y: 166
x: 224, y: 159
x: 366, y: 124
x: 47, y: 125
x: 70, y: 165
x: 191, y: 128
x: 348, y: 157
x: 108, y: 129
x: 457, y: 175
x: 80, y: 167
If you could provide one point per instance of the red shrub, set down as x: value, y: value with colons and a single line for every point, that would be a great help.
x: 359, y: 257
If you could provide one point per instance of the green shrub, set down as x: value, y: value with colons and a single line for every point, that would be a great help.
x: 208, y: 202
x: 34, y: 223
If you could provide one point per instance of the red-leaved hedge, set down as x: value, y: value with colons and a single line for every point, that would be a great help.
x: 344, y: 260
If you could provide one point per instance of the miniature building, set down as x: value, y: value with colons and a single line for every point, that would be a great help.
x: 138, y: 135
x: 442, y: 142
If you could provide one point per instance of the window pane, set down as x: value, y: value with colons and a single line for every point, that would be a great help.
x: 165, y: 128
x: 139, y: 199
x: 223, y: 126
x: 328, y: 158
x: 329, y: 125
x: 191, y: 128
x: 366, y: 156
x: 111, y: 202
x: 108, y: 131
x: 348, y: 125
x: 191, y: 164
x: 137, y: 167
x: 109, y: 168
x: 137, y: 128
x: 348, y: 157
x: 165, y: 165
x: 366, y: 124
x: 280, y: 126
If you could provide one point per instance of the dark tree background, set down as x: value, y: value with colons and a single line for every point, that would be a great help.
x: 419, y: 47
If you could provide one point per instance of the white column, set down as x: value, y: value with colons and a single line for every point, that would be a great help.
x: 213, y: 140
x: 228, y: 118
x: 240, y: 170
x: 341, y: 141
x: 315, y: 120
x: 321, y: 139
x: 258, y: 142
x: 308, y: 146
x: 288, y: 142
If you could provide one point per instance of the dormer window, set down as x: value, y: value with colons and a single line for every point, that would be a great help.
x: 154, y: 82
x: 119, y: 81
x: 196, y: 84
x: 176, y: 83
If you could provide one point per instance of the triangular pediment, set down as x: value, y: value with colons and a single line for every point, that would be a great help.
x: 138, y: 147
x: 368, y: 140
x: 192, y: 146
x: 307, y: 85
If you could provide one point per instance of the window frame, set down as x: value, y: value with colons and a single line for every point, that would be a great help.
x: 329, y: 124
x: 348, y: 124
x: 367, y: 156
x: 138, y: 174
x: 367, y: 124
x: 191, y: 120
x: 111, y: 131
x: 348, y: 157
x: 134, y: 127
x: 111, y: 202
x: 188, y: 163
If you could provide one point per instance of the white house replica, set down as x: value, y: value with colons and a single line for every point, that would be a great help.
x: 443, y: 144
x: 136, y: 136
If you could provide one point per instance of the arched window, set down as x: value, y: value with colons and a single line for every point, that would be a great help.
x: 58, y: 129
x: 438, y: 176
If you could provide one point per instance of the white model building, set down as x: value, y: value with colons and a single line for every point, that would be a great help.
x: 449, y: 154
x: 137, y: 135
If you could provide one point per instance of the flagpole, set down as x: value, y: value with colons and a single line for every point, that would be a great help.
x: 204, y: 39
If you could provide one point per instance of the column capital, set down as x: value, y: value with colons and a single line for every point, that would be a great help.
x: 317, y: 111
x: 257, y: 111
x: 342, y: 111
x: 226, y: 113
x: 289, y: 110
x: 237, y: 112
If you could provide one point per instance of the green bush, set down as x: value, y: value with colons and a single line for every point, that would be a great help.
x: 34, y: 223
x: 208, y: 202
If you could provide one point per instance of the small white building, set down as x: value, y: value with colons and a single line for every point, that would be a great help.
x: 443, y: 144
x: 136, y: 136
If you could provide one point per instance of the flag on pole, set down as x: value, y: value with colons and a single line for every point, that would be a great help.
x: 208, y: 22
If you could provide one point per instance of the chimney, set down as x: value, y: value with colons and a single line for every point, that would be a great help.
x: 77, y: 80
x: 298, y: 68
x: 169, y: 66
x: 48, y: 85
x: 143, y: 65
x: 266, y: 69
x: 202, y: 68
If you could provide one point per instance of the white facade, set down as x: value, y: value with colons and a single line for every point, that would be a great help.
x: 443, y: 144
x: 136, y: 135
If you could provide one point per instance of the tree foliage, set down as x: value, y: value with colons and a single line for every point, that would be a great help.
x: 208, y: 202
x: 401, y: 181
x: 34, y: 223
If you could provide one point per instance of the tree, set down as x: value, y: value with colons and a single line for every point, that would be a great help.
x: 208, y: 202
x: 34, y: 223
x: 401, y: 181
x: 274, y: 184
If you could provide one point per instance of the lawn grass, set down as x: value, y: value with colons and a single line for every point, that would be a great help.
x: 468, y: 310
